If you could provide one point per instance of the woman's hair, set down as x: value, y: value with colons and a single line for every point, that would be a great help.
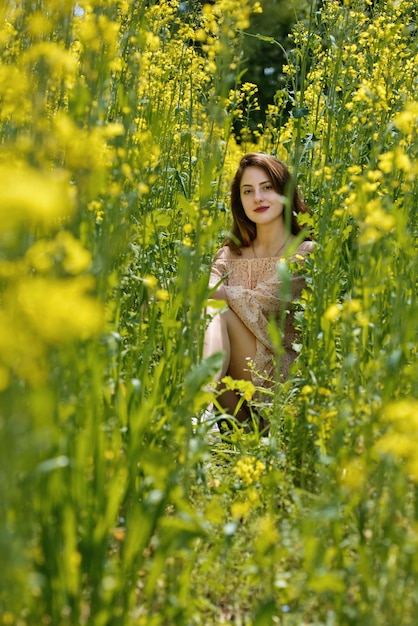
x: 243, y: 230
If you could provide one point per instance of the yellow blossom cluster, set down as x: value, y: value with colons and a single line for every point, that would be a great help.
x: 407, y: 119
x: 47, y: 299
x: 244, y: 387
x: 353, y: 475
x: 241, y: 509
x: 351, y: 310
x: 368, y: 197
x: 345, y: 83
x: 41, y: 312
x: 33, y: 197
x: 401, y: 438
x: 94, y: 97
x: 151, y: 283
x: 243, y: 100
x: 249, y: 470
x: 64, y: 252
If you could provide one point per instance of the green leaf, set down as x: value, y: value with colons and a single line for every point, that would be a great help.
x: 299, y: 112
x: 201, y: 373
x: 265, y: 38
x: 265, y: 613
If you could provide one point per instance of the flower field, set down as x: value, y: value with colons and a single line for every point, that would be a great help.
x: 121, y: 125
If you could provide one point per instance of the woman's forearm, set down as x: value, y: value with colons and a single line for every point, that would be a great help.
x: 219, y: 294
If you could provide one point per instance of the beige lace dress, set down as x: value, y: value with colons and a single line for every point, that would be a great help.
x: 252, y: 290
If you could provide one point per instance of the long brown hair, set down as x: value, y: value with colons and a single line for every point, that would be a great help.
x: 243, y: 230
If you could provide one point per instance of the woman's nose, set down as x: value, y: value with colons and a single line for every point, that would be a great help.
x: 258, y: 195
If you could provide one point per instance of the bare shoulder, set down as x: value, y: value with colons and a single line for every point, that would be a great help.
x: 306, y: 246
x: 302, y: 251
x: 226, y: 254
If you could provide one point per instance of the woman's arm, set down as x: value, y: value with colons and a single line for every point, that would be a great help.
x: 217, y: 274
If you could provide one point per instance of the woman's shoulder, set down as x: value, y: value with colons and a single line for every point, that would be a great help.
x: 306, y: 247
x: 226, y: 254
x: 302, y: 251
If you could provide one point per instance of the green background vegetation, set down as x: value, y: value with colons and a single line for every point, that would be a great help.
x: 121, y: 124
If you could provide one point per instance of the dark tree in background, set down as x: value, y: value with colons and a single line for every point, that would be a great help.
x: 263, y: 59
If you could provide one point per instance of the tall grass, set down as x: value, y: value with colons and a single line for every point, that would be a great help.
x: 112, y: 133
x: 116, y: 151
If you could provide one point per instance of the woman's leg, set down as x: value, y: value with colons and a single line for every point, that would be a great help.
x: 227, y: 333
x: 242, y: 346
x: 217, y: 340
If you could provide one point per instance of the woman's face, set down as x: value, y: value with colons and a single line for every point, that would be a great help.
x: 262, y: 204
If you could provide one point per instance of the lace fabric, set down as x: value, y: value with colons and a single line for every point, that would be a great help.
x: 252, y: 288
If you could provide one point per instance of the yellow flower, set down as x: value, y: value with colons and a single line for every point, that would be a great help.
x: 113, y: 129
x: 64, y: 249
x: 362, y: 319
x: 39, y: 24
x: 60, y: 62
x: 76, y: 258
x: 143, y: 189
x: 380, y: 219
x: 354, y: 170
x: 249, y: 470
x: 402, y: 160
x: 257, y: 8
x: 408, y: 118
x: 353, y: 305
x: 400, y: 439
x: 306, y: 390
x: 386, y: 162
x: 27, y: 195
x: 332, y: 313
x: 60, y: 311
x: 353, y: 475
x: 200, y: 35
x: 240, y: 509
x: 374, y: 175
x: 150, y: 281
x: 253, y: 496
x: 403, y: 411
x: 245, y: 387
x: 267, y: 535
x: 162, y: 295
x: 187, y: 242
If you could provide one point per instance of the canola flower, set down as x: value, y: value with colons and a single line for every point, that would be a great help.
x: 352, y: 137
x: 112, y: 113
x: 33, y: 197
x: 242, y: 509
x: 65, y: 253
x: 41, y: 312
x: 245, y: 387
x: 399, y: 442
x: 249, y: 470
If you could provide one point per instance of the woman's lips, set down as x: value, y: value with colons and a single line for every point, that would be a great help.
x: 261, y: 209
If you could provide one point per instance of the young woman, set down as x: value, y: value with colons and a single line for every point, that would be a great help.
x: 265, y: 203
